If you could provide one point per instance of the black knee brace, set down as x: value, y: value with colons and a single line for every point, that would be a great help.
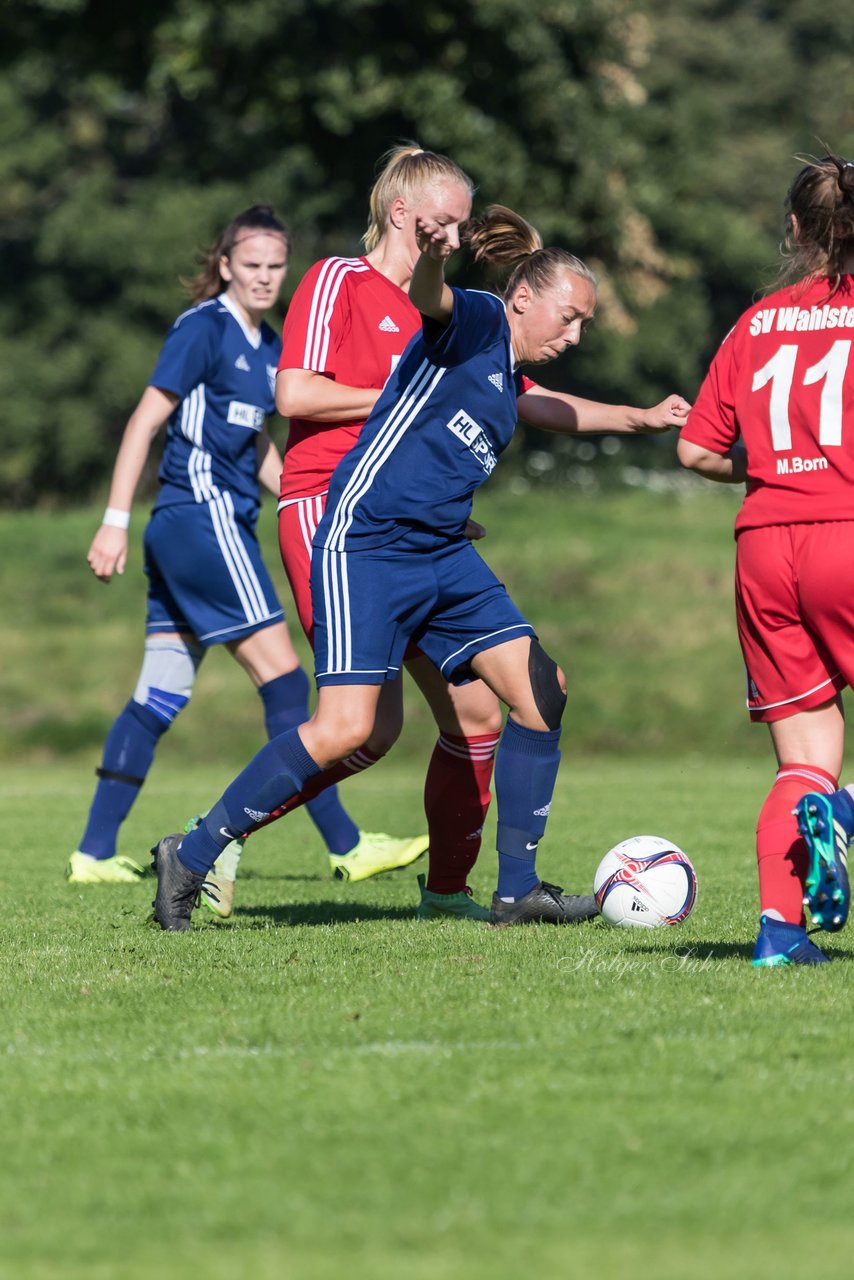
x: 549, y: 697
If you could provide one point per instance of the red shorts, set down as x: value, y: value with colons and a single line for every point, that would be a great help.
x: 794, y: 599
x: 297, y: 523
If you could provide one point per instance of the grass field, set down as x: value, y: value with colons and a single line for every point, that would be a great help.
x: 324, y: 1087
x: 631, y: 592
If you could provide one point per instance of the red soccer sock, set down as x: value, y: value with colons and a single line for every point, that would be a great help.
x: 780, y: 849
x: 359, y: 760
x: 456, y: 800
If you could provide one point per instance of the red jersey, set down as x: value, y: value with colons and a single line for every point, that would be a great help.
x: 350, y: 323
x: 784, y: 381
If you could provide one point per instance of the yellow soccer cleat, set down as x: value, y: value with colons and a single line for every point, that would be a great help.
x: 217, y: 894
x: 82, y: 868
x: 376, y: 853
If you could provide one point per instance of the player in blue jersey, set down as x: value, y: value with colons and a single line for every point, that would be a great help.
x: 392, y: 563
x: 208, y: 585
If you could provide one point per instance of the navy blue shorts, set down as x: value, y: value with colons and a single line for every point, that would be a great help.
x: 368, y: 605
x: 205, y: 573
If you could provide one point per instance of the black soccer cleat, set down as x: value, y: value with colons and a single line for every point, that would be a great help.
x: 547, y: 904
x: 178, y: 887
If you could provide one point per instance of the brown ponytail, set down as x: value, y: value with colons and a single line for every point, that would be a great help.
x: 820, y: 221
x: 504, y: 238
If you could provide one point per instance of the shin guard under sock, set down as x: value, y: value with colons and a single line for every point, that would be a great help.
x: 780, y: 850
x: 286, y: 706
x: 526, y: 767
x: 128, y: 754
x: 277, y: 772
x: 456, y: 800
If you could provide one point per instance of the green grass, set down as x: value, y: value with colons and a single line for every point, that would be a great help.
x: 631, y: 593
x: 325, y: 1087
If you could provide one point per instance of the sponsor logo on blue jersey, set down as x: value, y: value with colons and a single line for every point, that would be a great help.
x: 467, y: 430
x: 245, y: 415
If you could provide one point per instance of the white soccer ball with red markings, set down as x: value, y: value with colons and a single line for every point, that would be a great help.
x: 645, y: 882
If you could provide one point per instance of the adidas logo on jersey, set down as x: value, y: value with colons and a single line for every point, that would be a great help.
x: 497, y: 380
x: 242, y: 363
x: 388, y: 326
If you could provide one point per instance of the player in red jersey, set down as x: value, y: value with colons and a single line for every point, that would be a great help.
x: 783, y: 381
x: 346, y: 328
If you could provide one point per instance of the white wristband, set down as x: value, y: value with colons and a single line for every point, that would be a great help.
x: 116, y: 518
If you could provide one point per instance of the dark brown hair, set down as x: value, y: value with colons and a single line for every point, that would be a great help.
x: 504, y: 238
x: 819, y: 221
x: 406, y: 171
x: 208, y: 283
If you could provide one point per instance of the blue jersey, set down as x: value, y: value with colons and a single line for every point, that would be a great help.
x: 225, y: 378
x: 433, y: 437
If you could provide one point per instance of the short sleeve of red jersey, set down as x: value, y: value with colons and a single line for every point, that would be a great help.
x: 712, y: 422
x: 525, y: 384
x: 316, y: 319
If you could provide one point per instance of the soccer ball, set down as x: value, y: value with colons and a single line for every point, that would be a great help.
x: 644, y: 882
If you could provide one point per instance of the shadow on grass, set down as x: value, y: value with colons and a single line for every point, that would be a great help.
x: 307, y: 876
x: 313, y: 877
x: 724, y: 951
x: 294, y: 913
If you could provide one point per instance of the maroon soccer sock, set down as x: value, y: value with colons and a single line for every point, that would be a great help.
x: 456, y: 800
x: 356, y: 763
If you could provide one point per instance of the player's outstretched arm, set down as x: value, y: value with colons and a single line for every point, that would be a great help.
x: 559, y: 411
x: 726, y: 468
x: 427, y: 289
x: 109, y: 549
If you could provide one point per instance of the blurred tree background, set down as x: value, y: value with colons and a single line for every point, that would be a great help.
x: 655, y: 140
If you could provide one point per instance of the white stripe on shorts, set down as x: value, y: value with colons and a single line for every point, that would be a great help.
x: 236, y: 557
x: 310, y: 512
x: 517, y: 626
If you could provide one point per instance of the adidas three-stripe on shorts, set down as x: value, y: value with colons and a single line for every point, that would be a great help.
x: 206, y: 574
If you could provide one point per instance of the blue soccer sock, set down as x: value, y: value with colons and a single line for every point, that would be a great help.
x: 128, y: 753
x: 843, y: 807
x: 526, y: 766
x: 279, y: 771
x: 286, y: 706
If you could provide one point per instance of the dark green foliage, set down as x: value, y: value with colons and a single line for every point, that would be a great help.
x: 654, y: 140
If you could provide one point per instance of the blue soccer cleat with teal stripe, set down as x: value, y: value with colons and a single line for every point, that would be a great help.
x: 825, y: 822
x: 780, y: 943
